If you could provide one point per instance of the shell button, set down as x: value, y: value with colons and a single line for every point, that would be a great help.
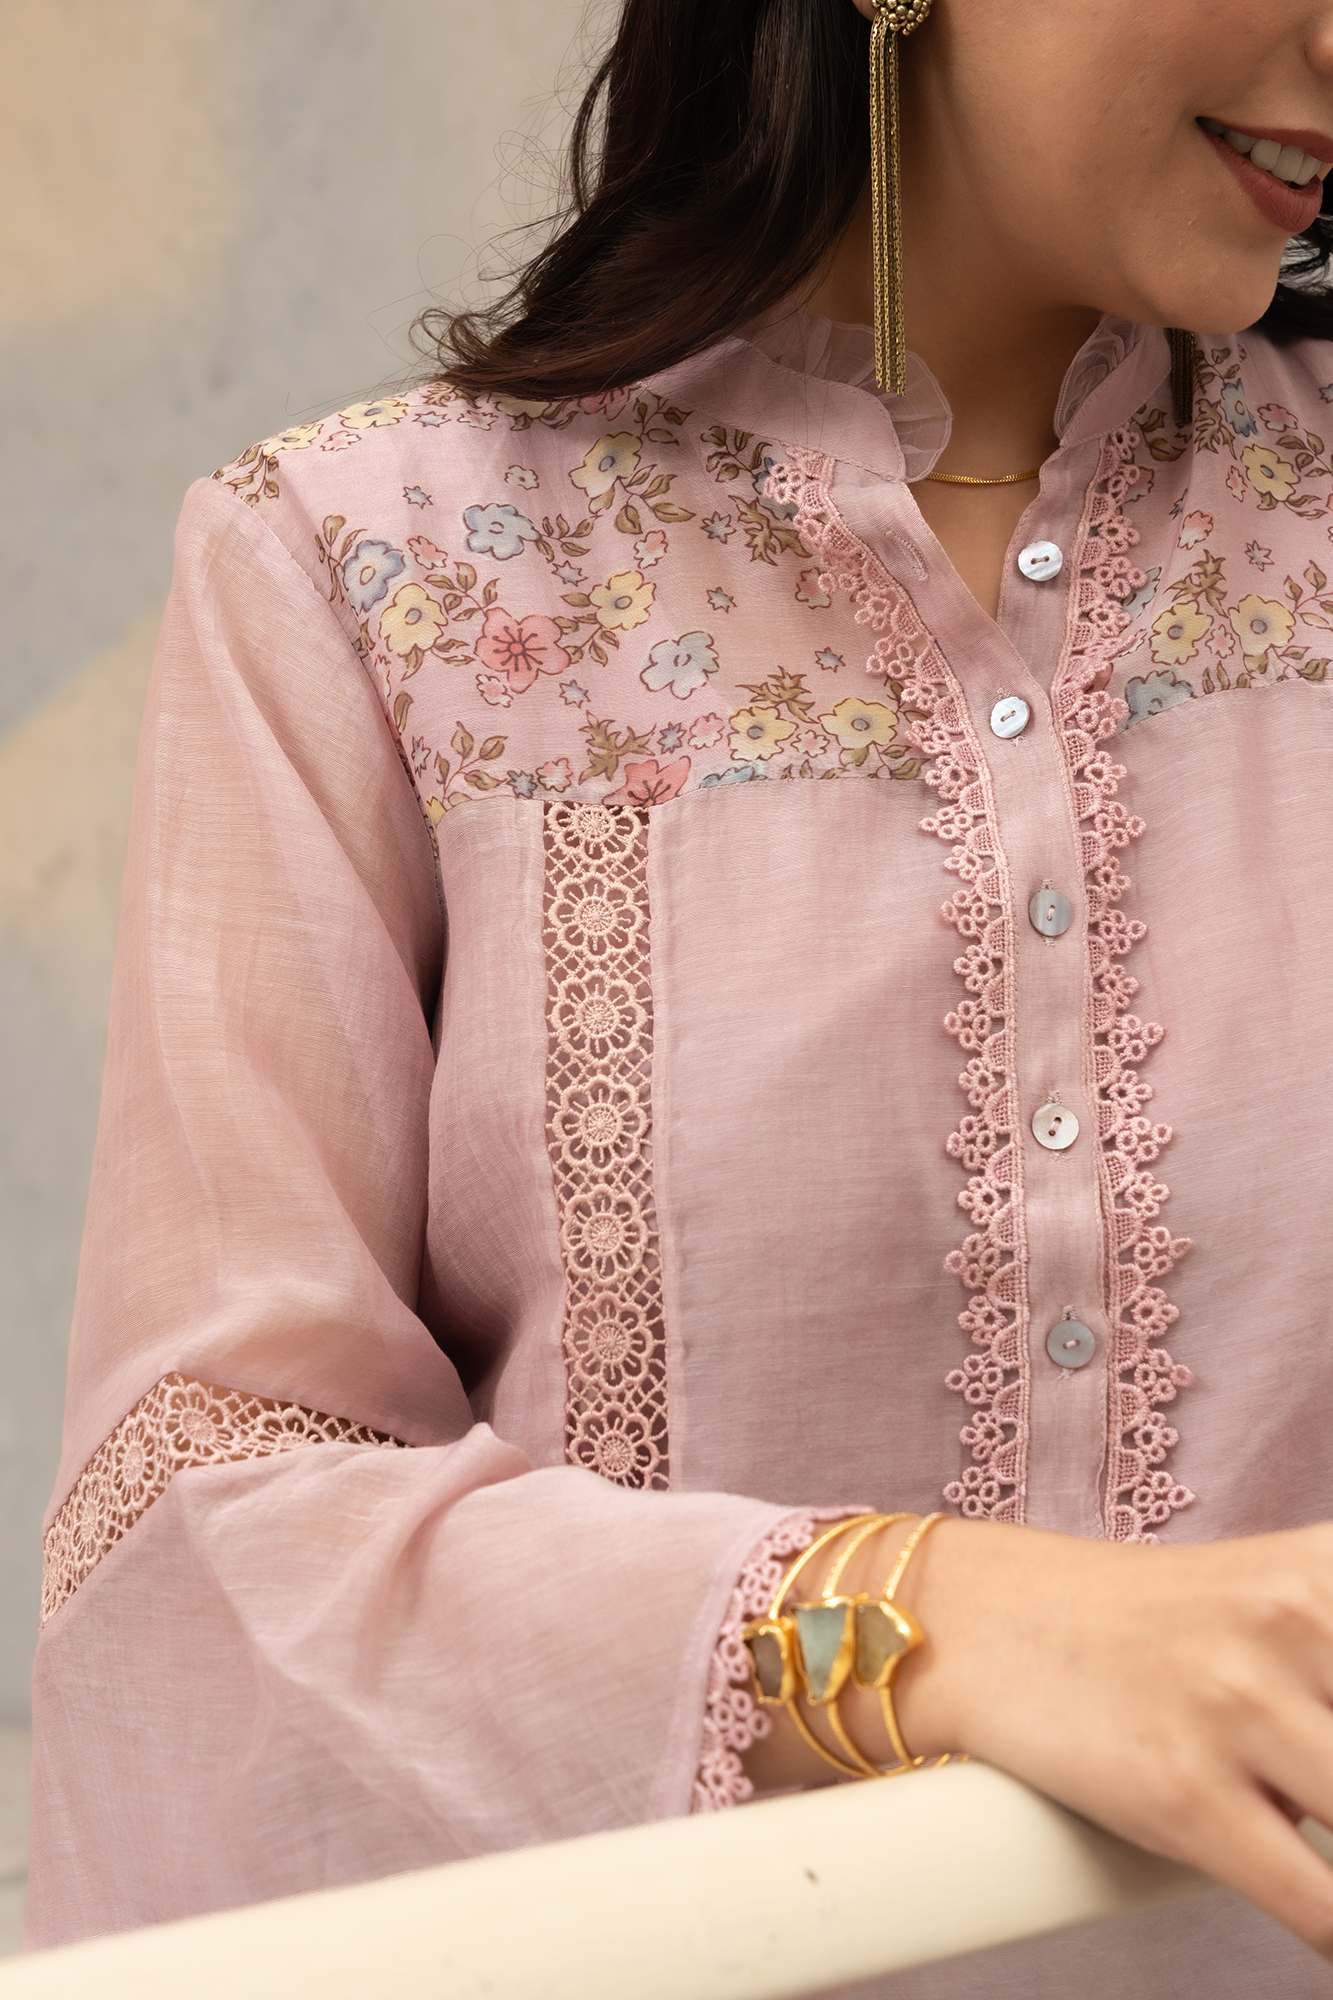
x: 1071, y: 1343
x: 1050, y: 913
x: 1009, y: 717
x: 1040, y: 561
x: 1055, y: 1127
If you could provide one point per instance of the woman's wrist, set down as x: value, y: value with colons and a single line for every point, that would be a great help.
x: 782, y: 1760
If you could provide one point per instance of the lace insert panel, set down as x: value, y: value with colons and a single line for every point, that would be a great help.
x: 177, y: 1425
x: 599, y: 1135
x: 992, y: 1261
x: 1141, y: 1494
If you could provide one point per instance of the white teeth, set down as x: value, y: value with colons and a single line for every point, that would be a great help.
x: 1285, y: 163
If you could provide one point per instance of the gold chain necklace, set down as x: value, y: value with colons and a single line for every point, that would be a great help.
x: 966, y: 479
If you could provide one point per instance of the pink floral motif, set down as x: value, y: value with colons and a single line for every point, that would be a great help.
x: 707, y: 730
x: 520, y: 648
x: 649, y: 783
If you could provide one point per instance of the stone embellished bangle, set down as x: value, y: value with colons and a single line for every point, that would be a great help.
x: 885, y: 1634
x: 815, y: 1648
x: 776, y: 1653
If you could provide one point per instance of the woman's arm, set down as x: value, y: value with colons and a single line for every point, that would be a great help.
x: 1179, y: 1696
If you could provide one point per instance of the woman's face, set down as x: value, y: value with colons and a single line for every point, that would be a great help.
x: 1077, y: 149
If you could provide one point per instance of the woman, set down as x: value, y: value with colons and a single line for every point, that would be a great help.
x: 655, y: 1222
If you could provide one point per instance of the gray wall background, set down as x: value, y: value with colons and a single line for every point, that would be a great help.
x: 218, y: 217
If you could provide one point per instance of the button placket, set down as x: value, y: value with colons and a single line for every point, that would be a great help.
x: 1057, y: 1131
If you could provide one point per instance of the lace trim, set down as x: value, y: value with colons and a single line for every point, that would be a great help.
x: 177, y: 1425
x: 733, y: 1719
x: 599, y: 1135
x: 1141, y: 1495
x: 991, y: 1262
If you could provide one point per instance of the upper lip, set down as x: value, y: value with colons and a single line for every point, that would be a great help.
x: 1319, y: 144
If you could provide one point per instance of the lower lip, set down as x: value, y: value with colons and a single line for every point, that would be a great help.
x: 1290, y: 209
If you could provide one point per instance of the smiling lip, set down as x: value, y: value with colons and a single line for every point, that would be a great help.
x: 1289, y: 209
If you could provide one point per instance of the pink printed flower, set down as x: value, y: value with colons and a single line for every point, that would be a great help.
x: 557, y: 776
x: 521, y: 648
x: 606, y: 403
x: 1195, y: 528
x: 650, y: 548
x: 706, y: 731
x: 650, y: 783
x: 494, y: 688
x: 1276, y: 418
x: 1236, y: 483
x: 809, y: 591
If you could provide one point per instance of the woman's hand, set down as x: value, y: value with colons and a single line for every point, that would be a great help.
x: 1182, y: 1697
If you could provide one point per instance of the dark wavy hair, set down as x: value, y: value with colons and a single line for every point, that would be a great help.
x: 719, y: 152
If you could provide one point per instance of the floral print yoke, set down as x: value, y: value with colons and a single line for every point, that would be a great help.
x: 589, y: 1012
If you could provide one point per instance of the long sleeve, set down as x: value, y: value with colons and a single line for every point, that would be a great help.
x: 312, y: 1623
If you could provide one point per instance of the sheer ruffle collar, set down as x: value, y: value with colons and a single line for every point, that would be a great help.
x: 838, y: 351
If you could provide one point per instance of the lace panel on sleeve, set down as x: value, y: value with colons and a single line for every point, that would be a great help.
x: 177, y: 1425
x: 733, y: 1719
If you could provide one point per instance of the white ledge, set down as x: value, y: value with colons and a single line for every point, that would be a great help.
x: 789, y: 1897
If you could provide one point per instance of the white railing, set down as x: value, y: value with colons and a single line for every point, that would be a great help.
x: 790, y: 1897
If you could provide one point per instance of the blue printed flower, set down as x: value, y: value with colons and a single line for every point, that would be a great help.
x: 1153, y: 693
x: 497, y: 531
x: 740, y: 774
x: 522, y: 783
x: 1238, y: 411
x: 368, y: 572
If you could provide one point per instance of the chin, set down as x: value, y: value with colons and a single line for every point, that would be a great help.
x: 1222, y: 303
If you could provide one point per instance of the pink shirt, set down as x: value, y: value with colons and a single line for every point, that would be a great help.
x: 579, y: 1015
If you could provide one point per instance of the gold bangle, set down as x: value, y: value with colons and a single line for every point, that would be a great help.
x: 849, y: 1606
x: 805, y: 1650
x: 886, y: 1634
x: 776, y: 1656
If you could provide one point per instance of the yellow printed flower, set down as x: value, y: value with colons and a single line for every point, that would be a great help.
x: 758, y: 732
x: 1269, y: 471
x: 295, y: 438
x: 857, y: 724
x: 411, y: 619
x: 1261, y: 623
x: 1176, y: 634
x: 623, y: 601
x: 373, y: 416
x: 610, y: 459
x: 520, y: 406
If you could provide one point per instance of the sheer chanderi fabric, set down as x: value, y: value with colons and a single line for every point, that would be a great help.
x: 533, y: 1117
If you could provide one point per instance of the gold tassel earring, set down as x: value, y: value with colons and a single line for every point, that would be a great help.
x: 893, y: 19
x: 1184, y: 368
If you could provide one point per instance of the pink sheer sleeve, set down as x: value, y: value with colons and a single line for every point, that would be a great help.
x: 281, y: 1651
